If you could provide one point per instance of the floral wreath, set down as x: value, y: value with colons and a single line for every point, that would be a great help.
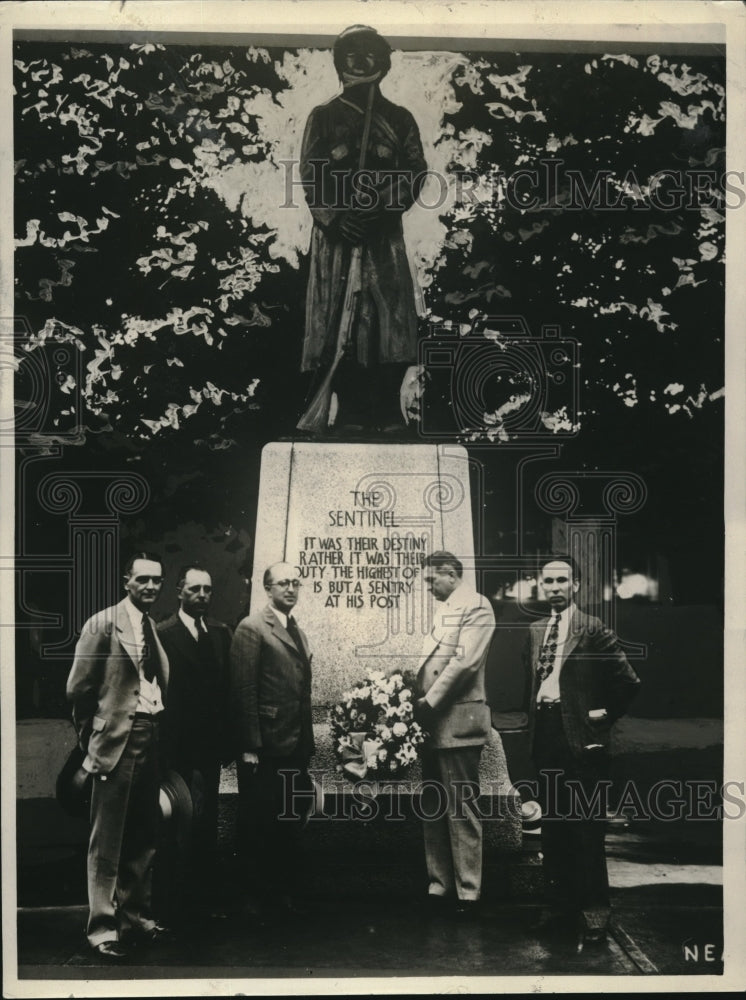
x: 373, y: 727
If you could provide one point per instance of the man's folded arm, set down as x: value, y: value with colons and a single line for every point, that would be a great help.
x: 470, y: 641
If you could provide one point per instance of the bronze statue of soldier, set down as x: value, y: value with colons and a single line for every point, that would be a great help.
x: 362, y: 166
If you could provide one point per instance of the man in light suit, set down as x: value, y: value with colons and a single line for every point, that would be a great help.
x: 196, y: 730
x: 454, y: 711
x: 581, y: 683
x: 118, y: 686
x: 270, y: 668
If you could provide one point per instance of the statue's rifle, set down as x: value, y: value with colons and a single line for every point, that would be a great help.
x: 316, y: 415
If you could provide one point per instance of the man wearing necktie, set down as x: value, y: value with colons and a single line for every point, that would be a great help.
x: 270, y: 683
x: 581, y: 683
x: 117, y: 685
x: 196, y: 731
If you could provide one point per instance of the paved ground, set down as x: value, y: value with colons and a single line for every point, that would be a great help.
x: 667, y: 898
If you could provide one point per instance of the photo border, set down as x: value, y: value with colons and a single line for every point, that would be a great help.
x: 624, y: 24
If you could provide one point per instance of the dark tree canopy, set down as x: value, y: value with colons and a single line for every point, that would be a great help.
x: 583, y: 191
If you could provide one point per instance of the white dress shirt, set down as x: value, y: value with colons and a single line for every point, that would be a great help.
x: 283, y: 618
x: 549, y: 689
x: 190, y: 624
x: 444, y: 616
x: 149, y: 699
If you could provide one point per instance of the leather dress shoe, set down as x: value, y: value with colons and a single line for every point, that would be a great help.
x: 110, y: 951
x: 157, y: 933
x: 466, y: 909
x: 590, y: 937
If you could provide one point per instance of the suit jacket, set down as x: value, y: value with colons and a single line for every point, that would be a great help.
x: 104, y: 685
x: 270, y: 688
x: 594, y: 674
x: 451, y: 672
x: 196, y: 726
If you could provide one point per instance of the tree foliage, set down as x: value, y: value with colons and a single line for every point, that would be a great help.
x: 189, y: 321
x: 593, y: 197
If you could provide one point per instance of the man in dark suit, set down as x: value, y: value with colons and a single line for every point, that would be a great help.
x: 118, y: 686
x: 196, y: 729
x: 581, y: 683
x: 454, y: 711
x: 270, y: 667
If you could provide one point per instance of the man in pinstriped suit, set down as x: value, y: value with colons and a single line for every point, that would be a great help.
x: 581, y: 683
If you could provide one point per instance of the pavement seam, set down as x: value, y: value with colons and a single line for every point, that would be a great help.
x: 633, y: 950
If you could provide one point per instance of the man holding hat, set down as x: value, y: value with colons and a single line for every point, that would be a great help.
x: 117, y: 686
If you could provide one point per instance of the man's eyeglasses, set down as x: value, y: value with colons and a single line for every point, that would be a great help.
x: 284, y: 584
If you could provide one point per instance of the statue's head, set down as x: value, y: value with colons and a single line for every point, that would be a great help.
x: 361, y: 52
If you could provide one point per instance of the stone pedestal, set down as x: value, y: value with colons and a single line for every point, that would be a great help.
x: 357, y: 519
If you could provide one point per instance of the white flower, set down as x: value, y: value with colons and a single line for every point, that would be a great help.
x: 353, y: 713
x: 363, y: 691
x: 399, y: 729
x: 708, y: 251
x: 405, y: 709
x: 391, y: 712
x: 382, y: 755
x: 384, y: 732
x: 405, y: 694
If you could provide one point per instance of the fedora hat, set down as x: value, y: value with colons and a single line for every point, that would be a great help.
x: 73, y: 785
x: 176, y: 807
